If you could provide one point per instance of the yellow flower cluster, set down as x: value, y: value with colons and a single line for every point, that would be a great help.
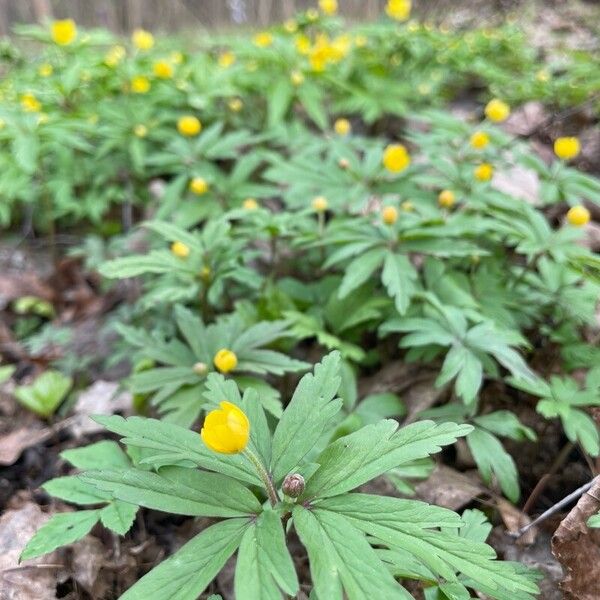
x: 142, y: 40
x: 189, y: 126
x: 483, y: 172
x: 324, y: 51
x: 226, y: 59
x: 263, y: 39
x: 396, y: 158
x: 140, y: 84
x: 114, y: 56
x: 163, y: 69
x: 30, y: 103
x: 479, y: 140
x: 328, y: 7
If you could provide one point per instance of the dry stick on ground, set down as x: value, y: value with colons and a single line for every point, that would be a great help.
x: 554, y: 509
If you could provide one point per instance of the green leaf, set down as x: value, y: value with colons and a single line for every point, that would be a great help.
x: 118, y: 516
x: 264, y: 565
x: 398, y: 277
x: 373, y: 450
x: 61, y: 529
x: 173, y: 445
x: 490, y: 456
x: 342, y: 563
x: 101, y: 455
x: 310, y: 410
x: 279, y: 100
x: 178, y: 490
x: 186, y: 574
x: 45, y: 394
x: 360, y: 269
x: 73, y: 489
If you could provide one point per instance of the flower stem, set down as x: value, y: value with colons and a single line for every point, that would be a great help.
x: 264, y: 475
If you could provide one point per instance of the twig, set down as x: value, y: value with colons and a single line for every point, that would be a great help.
x: 554, y: 509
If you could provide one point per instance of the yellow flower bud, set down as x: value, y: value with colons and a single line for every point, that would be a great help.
x: 389, y: 215
x: 180, y: 250
x: 497, y: 111
x: 360, y: 41
x: 328, y: 7
x: 398, y: 9
x: 235, y: 104
x: 396, y: 158
x: 542, y: 76
x: 446, y: 199
x: 320, y: 204
x: 176, y: 57
x: 303, y: 44
x: 198, y: 186
x: 226, y: 59
x: 226, y: 430
x: 312, y: 14
x: 342, y: 127
x: 483, y: 172
x: 407, y: 206
x: 263, y: 39
x: 225, y: 360
x: 200, y: 368
x: 343, y: 163
x: 290, y: 26
x: 140, y: 130
x: 45, y: 70
x: 297, y: 78
x: 63, y: 32
x: 567, y: 147
x: 250, y: 204
x: 189, y: 126
x: 142, y: 40
x: 140, y: 84
x: 479, y: 140
x: 163, y: 69
x: 578, y: 216
x: 30, y: 103
x: 114, y: 56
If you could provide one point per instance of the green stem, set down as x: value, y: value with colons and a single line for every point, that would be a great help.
x: 264, y: 475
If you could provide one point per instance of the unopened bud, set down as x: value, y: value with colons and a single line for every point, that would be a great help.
x: 343, y: 163
x: 293, y: 485
x: 200, y: 368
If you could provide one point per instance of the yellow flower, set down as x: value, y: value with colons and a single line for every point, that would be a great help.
x: 30, y: 103
x: 180, y: 250
x: 290, y: 26
x: 140, y: 130
x: 389, y: 215
x: 407, y: 206
x: 360, y: 41
x: 479, y: 140
x: 483, y: 172
x: 142, y: 40
x: 45, y: 70
x: 114, y: 56
x: 342, y: 127
x: 542, y: 76
x: 398, y: 9
x: 320, y: 204
x: 578, y: 216
x: 163, y: 69
x: 302, y: 43
x: 312, y: 14
x: 329, y: 7
x: 226, y: 430
x: 497, y: 111
x: 225, y: 360
x: 226, y: 59
x: 189, y: 126
x: 297, y: 77
x: 198, y: 186
x: 63, y: 32
x: 140, y: 84
x: 396, y: 158
x: 567, y: 147
x: 446, y: 199
x: 235, y: 104
x: 176, y: 57
x: 263, y: 39
x: 250, y: 204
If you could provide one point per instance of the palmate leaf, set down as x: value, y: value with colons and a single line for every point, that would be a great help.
x: 373, y: 450
x: 264, y: 565
x: 342, y: 563
x: 186, y: 574
x: 118, y: 516
x: 360, y: 269
x: 310, y: 410
x: 157, y: 261
x: 177, y: 490
x: 169, y: 444
x: 399, y: 276
x: 445, y: 554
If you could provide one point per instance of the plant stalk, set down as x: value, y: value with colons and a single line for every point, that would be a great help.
x: 264, y: 475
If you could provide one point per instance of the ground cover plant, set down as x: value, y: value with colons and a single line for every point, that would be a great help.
x: 274, y: 221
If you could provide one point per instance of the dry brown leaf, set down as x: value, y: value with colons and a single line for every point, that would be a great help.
x: 101, y: 398
x: 526, y: 119
x: 577, y: 548
x: 33, y: 579
x: 12, y: 444
x: 518, y: 182
x: 514, y: 519
x: 448, y: 488
x: 86, y: 564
